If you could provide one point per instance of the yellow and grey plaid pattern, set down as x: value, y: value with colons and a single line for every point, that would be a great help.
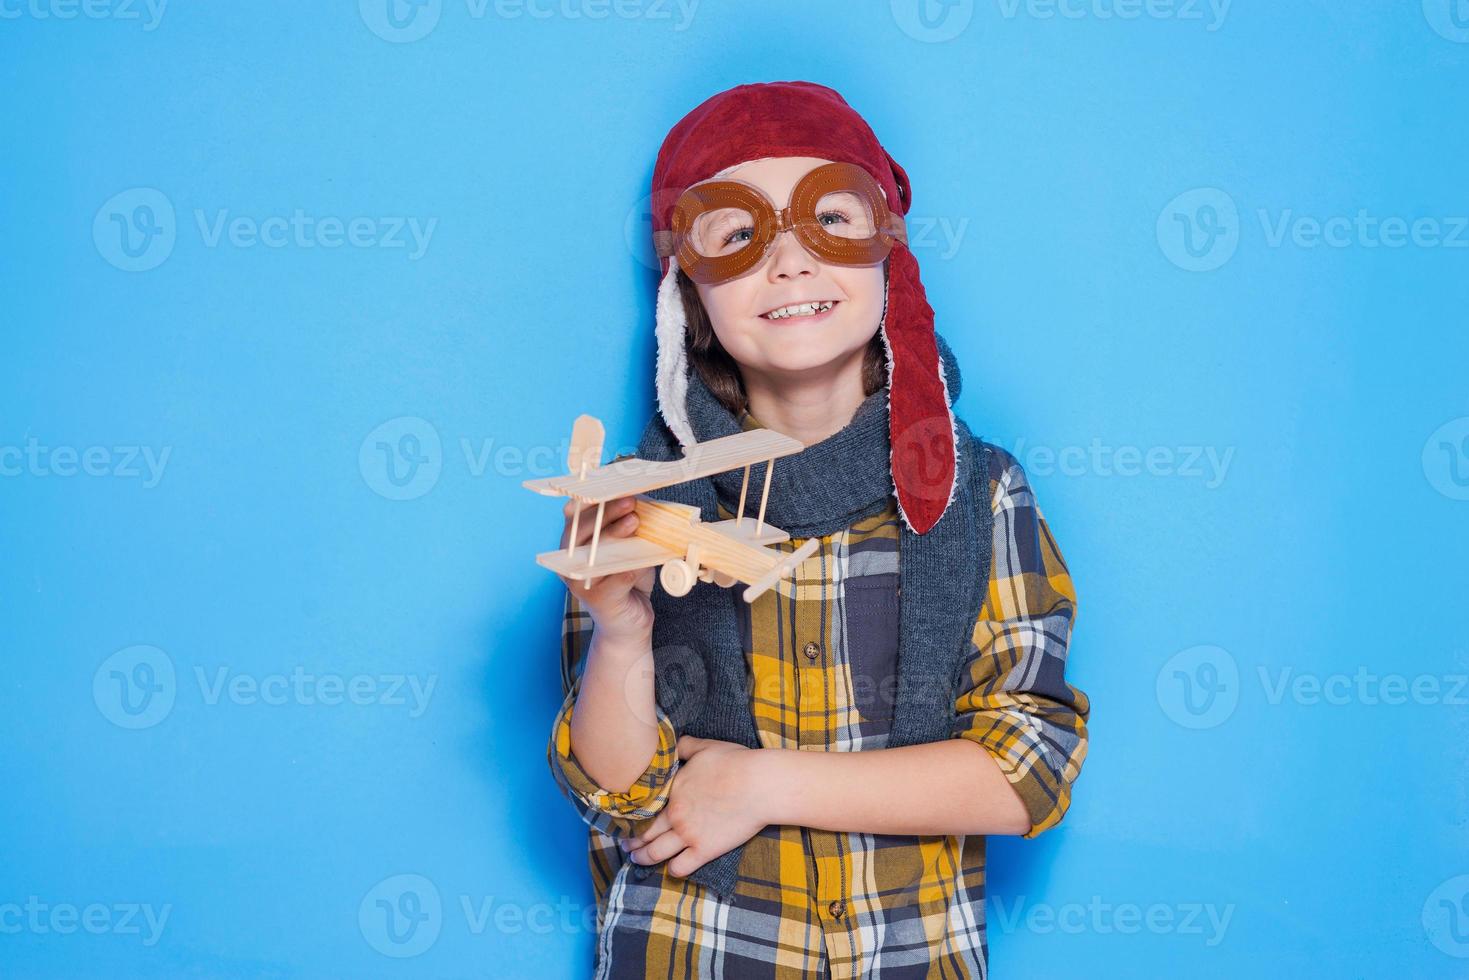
x: 822, y: 649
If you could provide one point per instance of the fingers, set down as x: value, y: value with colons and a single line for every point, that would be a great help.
x: 664, y: 847
x: 659, y: 825
x: 617, y: 518
x: 617, y: 505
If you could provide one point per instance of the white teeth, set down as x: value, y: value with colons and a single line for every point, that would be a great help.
x: 802, y: 309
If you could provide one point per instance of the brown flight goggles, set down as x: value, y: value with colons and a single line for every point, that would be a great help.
x: 723, y: 228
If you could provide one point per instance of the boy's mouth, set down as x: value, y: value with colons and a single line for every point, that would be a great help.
x: 799, y: 310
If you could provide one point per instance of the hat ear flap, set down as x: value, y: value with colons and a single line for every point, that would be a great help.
x: 672, y: 371
x: 923, y: 432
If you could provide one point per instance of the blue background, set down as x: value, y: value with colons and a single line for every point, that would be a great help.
x: 1109, y: 283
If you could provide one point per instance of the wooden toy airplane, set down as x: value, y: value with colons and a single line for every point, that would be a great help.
x: 672, y: 534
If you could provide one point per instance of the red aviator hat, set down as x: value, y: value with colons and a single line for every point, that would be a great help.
x: 782, y: 119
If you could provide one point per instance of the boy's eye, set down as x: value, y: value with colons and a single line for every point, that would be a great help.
x: 723, y: 230
x: 838, y: 217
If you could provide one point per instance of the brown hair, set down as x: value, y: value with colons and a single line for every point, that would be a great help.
x: 721, y: 372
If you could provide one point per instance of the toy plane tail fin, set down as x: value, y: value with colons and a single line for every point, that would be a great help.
x: 587, y: 436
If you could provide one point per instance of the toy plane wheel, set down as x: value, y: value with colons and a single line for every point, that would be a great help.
x: 677, y: 577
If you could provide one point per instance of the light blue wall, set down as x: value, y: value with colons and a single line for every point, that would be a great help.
x: 1253, y: 450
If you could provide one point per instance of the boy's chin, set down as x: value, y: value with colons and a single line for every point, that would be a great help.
x: 798, y: 363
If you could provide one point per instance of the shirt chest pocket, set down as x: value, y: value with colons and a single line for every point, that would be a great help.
x: 870, y: 608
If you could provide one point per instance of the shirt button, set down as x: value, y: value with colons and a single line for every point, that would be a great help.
x: 812, y: 651
x: 837, y: 908
x: 639, y: 872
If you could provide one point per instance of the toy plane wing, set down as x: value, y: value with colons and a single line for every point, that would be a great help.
x: 632, y: 476
x: 613, y: 555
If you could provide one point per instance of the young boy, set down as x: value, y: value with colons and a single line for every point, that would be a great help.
x: 801, y: 786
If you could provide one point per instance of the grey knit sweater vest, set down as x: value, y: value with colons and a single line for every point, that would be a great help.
x: 701, y: 676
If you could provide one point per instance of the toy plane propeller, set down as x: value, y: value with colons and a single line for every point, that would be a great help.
x: 671, y: 534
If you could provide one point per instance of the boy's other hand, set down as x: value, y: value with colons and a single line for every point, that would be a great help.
x: 712, y: 807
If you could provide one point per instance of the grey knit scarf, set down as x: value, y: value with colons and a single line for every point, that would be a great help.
x: 701, y: 676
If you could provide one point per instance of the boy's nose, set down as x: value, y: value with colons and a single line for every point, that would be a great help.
x: 788, y: 257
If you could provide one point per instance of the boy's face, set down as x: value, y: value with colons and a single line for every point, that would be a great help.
x: 790, y: 275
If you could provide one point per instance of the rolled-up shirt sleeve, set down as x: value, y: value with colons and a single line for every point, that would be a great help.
x: 617, y: 814
x: 1013, y: 695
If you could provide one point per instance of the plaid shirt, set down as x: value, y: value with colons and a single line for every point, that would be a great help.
x: 822, y: 651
